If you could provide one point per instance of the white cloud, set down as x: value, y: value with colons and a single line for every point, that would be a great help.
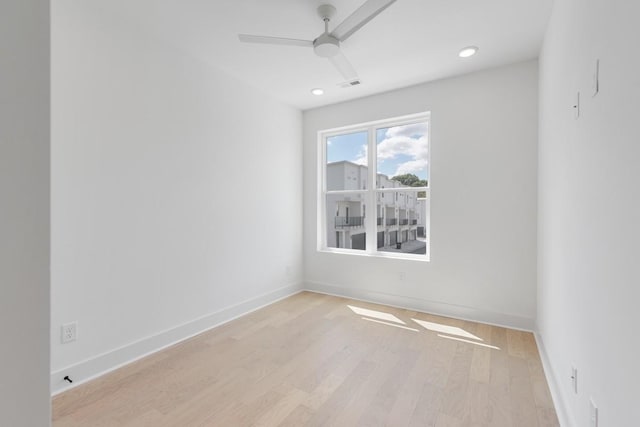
x: 362, y: 156
x: 407, y: 130
x: 394, y: 146
x: 410, y: 141
x: 401, y: 144
x: 413, y: 166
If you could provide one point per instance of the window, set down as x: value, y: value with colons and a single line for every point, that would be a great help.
x: 394, y: 155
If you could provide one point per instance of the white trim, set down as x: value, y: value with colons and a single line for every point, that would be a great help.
x: 102, y: 364
x: 370, y: 198
x: 564, y: 417
x: 321, y: 223
x: 393, y: 121
x: 398, y: 189
x: 92, y: 368
x: 371, y: 230
x: 511, y: 321
x: 347, y: 191
x: 376, y: 254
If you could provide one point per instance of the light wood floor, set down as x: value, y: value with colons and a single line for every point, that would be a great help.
x: 320, y: 360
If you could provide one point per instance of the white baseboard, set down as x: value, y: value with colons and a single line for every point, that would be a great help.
x: 99, y: 365
x: 564, y: 417
x: 448, y: 310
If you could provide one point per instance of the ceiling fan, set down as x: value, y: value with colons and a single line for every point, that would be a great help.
x: 327, y: 44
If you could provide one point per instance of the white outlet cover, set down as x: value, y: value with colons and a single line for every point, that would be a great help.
x: 69, y: 332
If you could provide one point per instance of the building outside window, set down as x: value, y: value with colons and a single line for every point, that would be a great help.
x: 393, y: 154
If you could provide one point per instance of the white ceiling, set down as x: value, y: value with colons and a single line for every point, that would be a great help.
x: 411, y: 42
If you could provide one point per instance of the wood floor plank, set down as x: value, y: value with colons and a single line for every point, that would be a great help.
x: 515, y: 346
x: 547, y: 418
x: 322, y: 392
x: 410, y: 394
x: 300, y: 416
x: 362, y: 398
x: 241, y: 414
x: 455, y: 401
x: 445, y: 420
x: 282, y: 409
x: 384, y: 400
x: 427, y: 409
x: 523, y: 409
x: 541, y: 393
x: 478, y: 407
x: 342, y: 397
x: 481, y: 365
x: 318, y: 360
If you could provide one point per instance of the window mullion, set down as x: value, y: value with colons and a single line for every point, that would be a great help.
x: 322, y: 190
x: 371, y: 225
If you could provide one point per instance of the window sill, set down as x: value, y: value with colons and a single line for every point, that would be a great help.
x: 385, y: 255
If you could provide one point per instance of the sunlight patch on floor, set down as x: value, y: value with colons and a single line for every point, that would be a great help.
x: 468, y: 341
x: 446, y: 329
x: 380, y: 315
x: 390, y: 324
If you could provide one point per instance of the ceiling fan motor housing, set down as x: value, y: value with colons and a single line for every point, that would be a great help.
x: 326, y: 46
x: 326, y: 11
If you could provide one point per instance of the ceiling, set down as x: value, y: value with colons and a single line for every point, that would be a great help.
x: 413, y: 41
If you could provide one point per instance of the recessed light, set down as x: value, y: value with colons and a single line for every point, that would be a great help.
x: 468, y: 51
x: 317, y: 91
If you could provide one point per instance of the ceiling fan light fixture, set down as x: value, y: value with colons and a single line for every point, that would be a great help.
x: 468, y: 51
x: 326, y: 46
x: 317, y: 91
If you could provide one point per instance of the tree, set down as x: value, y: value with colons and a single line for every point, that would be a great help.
x: 412, y: 180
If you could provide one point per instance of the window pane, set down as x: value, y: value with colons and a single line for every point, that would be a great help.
x: 402, y: 225
x: 402, y: 153
x: 346, y: 221
x: 347, y: 161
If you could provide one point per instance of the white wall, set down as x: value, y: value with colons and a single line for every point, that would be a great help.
x: 176, y: 194
x: 483, y: 211
x: 589, y: 210
x: 24, y: 213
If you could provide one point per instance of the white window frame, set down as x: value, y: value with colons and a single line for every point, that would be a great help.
x: 370, y: 193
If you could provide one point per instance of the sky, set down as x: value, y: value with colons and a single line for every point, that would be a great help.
x: 400, y: 149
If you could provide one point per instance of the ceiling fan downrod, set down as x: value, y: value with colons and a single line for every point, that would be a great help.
x: 326, y: 45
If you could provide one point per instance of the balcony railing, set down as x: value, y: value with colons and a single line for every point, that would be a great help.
x: 404, y: 222
x: 349, y: 221
x: 414, y: 222
x: 380, y: 220
x: 392, y: 221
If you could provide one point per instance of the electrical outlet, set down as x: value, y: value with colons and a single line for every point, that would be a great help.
x: 574, y: 379
x: 69, y: 332
x: 401, y: 276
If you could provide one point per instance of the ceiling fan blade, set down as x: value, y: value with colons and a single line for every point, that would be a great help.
x: 344, y: 66
x: 248, y: 38
x: 365, y: 13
